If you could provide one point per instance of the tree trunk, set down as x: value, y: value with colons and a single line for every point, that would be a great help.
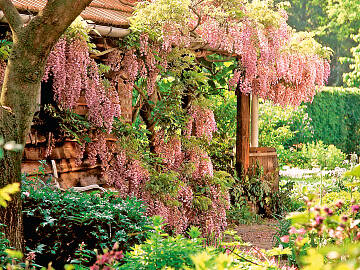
x: 242, y: 133
x: 146, y: 113
x: 19, y: 97
x: 11, y: 216
x: 21, y: 88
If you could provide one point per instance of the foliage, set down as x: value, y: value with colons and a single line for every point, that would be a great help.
x: 333, y: 22
x: 6, y: 191
x: 266, y: 32
x: 255, y: 194
x: 320, y: 226
x: 283, y: 127
x: 241, y: 213
x: 57, y: 223
x: 335, y: 118
x: 4, y: 245
x: 162, y: 184
x: 5, y: 49
x: 225, y: 114
x: 332, y: 198
x: 222, y: 154
x: 331, y: 257
x: 319, y: 155
x: 163, y: 251
x: 352, y: 79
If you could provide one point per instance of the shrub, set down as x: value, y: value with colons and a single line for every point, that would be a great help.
x: 255, y: 194
x: 58, y: 224
x: 283, y: 127
x: 320, y: 155
x: 332, y: 198
x: 163, y: 251
x: 335, y: 118
x: 222, y: 154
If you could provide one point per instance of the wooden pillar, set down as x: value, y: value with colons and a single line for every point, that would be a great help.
x: 242, y: 133
x: 254, y: 121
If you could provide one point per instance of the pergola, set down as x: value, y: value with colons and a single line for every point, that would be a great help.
x: 110, y: 18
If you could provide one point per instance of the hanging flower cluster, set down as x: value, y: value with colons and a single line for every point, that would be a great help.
x: 201, y: 122
x: 170, y: 152
x: 146, y: 62
x: 73, y: 74
x: 274, y: 62
x: 130, y: 178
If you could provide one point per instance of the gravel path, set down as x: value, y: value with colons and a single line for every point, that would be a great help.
x: 259, y: 235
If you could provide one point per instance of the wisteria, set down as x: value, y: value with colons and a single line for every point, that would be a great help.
x: 170, y: 151
x: 267, y: 65
x: 73, y: 74
x: 201, y: 122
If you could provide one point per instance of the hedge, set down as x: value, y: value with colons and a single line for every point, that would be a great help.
x: 335, y: 114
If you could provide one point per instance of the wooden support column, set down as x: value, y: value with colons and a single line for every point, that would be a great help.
x: 242, y: 133
x: 254, y: 121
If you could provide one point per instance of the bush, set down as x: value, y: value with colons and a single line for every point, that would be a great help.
x: 163, y: 251
x: 222, y: 154
x: 254, y: 196
x: 332, y: 198
x: 279, y: 127
x: 320, y: 155
x: 57, y: 224
x: 335, y: 118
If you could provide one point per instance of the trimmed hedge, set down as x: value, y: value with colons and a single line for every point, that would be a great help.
x: 335, y: 114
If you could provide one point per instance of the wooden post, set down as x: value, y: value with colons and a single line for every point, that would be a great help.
x: 254, y: 121
x: 242, y: 133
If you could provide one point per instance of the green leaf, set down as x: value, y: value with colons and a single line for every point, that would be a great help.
x: 355, y: 172
x: 14, y: 253
x: 298, y: 217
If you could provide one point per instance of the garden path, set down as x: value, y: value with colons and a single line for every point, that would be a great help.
x: 259, y: 235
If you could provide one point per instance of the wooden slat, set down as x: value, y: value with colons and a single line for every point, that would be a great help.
x: 72, y: 179
x: 35, y: 138
x: 63, y: 166
x: 268, y: 154
x: 266, y: 157
x: 67, y: 150
x: 262, y: 149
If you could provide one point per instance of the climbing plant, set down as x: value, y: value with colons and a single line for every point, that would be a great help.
x: 181, y: 53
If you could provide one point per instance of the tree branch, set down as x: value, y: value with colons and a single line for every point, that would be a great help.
x: 53, y: 20
x: 218, y: 60
x: 12, y: 15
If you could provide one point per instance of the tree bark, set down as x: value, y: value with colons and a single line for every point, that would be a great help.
x: 146, y: 113
x: 242, y: 133
x: 21, y: 87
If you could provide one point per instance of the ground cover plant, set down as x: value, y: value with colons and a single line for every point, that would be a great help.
x: 61, y: 226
